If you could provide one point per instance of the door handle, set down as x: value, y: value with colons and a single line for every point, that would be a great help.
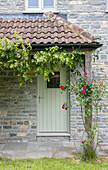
x: 40, y: 98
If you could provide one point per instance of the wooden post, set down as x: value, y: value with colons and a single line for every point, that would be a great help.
x: 88, y: 69
x: 88, y: 64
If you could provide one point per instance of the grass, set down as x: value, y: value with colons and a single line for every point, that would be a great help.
x: 51, y: 164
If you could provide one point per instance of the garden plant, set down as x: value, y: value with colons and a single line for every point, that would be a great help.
x: 89, y: 96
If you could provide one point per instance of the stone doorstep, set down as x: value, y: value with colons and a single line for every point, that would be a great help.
x: 42, y: 149
x: 103, y: 147
x: 38, y: 154
x: 23, y: 154
x: 68, y: 144
x: 37, y: 150
x: 32, y: 147
x: 45, y: 148
x: 1, y: 147
x: 62, y: 154
x: 15, y: 147
x: 73, y: 145
x: 103, y: 144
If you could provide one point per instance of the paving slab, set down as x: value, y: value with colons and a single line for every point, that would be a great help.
x: 36, y: 150
x: 15, y: 146
x: 39, y: 154
x: 33, y: 147
x: 1, y: 147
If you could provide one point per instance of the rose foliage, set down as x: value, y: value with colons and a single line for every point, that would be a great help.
x: 89, y: 96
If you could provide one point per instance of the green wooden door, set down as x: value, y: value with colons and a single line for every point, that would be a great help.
x: 52, y: 118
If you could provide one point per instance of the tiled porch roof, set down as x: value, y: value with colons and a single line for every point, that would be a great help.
x: 51, y: 30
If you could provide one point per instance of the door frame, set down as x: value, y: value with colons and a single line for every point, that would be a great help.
x: 68, y: 112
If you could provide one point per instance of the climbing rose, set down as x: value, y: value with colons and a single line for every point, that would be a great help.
x: 82, y: 142
x: 63, y: 87
x: 88, y: 103
x: 87, y: 81
x: 75, y: 89
x: 82, y: 91
x: 63, y: 107
x: 85, y: 73
x: 84, y: 87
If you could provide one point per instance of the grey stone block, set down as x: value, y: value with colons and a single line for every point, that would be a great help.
x: 7, y: 127
x: 20, y: 123
x: 12, y: 134
x: 95, y: 25
x: 95, y: 2
x: 33, y: 127
x: 103, y: 57
x: 73, y: 15
x: 85, y: 26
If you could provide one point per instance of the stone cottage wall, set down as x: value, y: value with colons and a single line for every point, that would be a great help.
x: 11, y: 6
x: 91, y: 16
x: 18, y: 109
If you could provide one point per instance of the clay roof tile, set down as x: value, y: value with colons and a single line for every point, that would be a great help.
x: 53, y: 29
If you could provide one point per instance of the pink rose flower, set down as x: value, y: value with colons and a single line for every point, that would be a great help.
x: 82, y: 91
x: 75, y: 89
x: 84, y: 87
x: 87, y: 81
x: 82, y: 142
x: 63, y: 87
x: 63, y: 107
x: 85, y: 73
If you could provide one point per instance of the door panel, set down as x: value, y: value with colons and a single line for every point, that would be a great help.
x: 52, y: 118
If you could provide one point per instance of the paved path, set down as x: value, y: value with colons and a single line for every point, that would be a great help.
x: 38, y: 150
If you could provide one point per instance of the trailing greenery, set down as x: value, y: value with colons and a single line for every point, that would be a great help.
x: 45, y: 62
x: 16, y: 56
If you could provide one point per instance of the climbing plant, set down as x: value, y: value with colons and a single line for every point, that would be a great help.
x: 15, y: 55
x: 45, y: 62
x: 89, y: 96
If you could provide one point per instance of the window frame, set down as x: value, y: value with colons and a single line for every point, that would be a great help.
x: 40, y: 8
x: 106, y: 10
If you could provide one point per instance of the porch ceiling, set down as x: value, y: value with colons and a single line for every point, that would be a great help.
x: 44, y: 31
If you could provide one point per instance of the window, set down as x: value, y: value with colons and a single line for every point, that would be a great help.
x: 106, y: 10
x: 40, y: 5
x: 54, y: 81
x: 32, y: 3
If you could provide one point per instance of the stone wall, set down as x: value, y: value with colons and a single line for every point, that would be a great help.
x: 91, y: 16
x: 18, y: 109
x: 12, y: 6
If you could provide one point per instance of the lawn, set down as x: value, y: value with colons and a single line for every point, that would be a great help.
x: 51, y: 164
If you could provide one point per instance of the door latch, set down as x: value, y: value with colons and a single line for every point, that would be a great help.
x: 40, y: 98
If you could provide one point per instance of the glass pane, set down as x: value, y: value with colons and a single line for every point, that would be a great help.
x: 54, y: 81
x: 32, y: 3
x: 48, y: 3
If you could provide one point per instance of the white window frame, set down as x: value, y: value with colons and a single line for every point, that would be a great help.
x: 106, y: 10
x: 40, y: 8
